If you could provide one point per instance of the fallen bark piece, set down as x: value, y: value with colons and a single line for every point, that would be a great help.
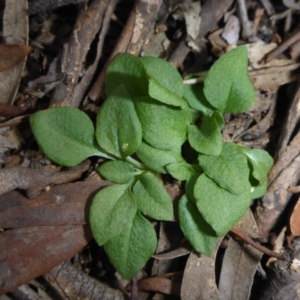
x: 75, y: 284
x: 38, y: 6
x: 34, y: 180
x: 27, y: 253
x: 66, y: 204
x: 89, y: 22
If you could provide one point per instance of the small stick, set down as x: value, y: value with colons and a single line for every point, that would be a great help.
x: 268, y: 7
x: 241, y: 234
x: 277, y: 51
x: 294, y: 189
x: 245, y: 21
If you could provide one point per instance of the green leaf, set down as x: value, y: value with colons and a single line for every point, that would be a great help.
x: 227, y: 85
x: 195, y: 97
x: 260, y: 161
x: 258, y: 191
x: 195, y: 228
x: 157, y: 159
x: 165, y: 83
x: 206, y: 139
x: 219, y: 119
x: 229, y: 169
x: 164, y: 127
x: 117, y: 171
x: 127, y: 69
x: 220, y: 209
x: 190, y: 186
x: 152, y: 198
x: 119, y: 130
x: 130, y: 250
x: 65, y: 134
x: 181, y: 170
x: 112, y: 209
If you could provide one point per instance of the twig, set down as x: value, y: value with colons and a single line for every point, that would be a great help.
x: 134, y: 289
x: 295, y: 50
x: 268, y: 7
x: 241, y: 234
x: 294, y: 189
x: 287, y: 154
x: 280, y: 49
x: 34, y: 180
x: 7, y: 110
x: 98, y: 87
x: 245, y: 21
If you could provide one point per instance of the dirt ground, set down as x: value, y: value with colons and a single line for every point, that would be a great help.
x: 55, y: 53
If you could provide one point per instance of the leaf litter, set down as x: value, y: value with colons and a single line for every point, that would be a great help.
x: 261, y: 125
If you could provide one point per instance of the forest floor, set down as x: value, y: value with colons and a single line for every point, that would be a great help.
x: 58, y: 55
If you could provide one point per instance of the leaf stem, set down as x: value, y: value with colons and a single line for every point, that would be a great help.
x: 136, y: 163
x: 199, y: 79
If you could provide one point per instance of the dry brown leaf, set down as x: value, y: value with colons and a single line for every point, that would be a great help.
x: 239, y: 264
x: 295, y: 220
x: 11, y: 55
x: 27, y: 253
x: 55, y: 207
x: 178, y: 252
x: 15, y: 31
x: 161, y: 285
x: 199, y: 279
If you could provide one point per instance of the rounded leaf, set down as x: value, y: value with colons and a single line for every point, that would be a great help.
x: 206, y: 139
x: 130, y: 250
x: 195, y: 97
x: 165, y: 82
x: 228, y: 86
x: 127, y: 69
x: 220, y: 209
x: 117, y: 171
x: 119, y: 130
x: 112, y: 209
x: 65, y: 134
x: 260, y: 161
x: 195, y: 228
x: 157, y: 159
x: 152, y: 198
x: 164, y: 127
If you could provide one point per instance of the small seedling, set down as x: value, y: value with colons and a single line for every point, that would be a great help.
x: 148, y: 116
